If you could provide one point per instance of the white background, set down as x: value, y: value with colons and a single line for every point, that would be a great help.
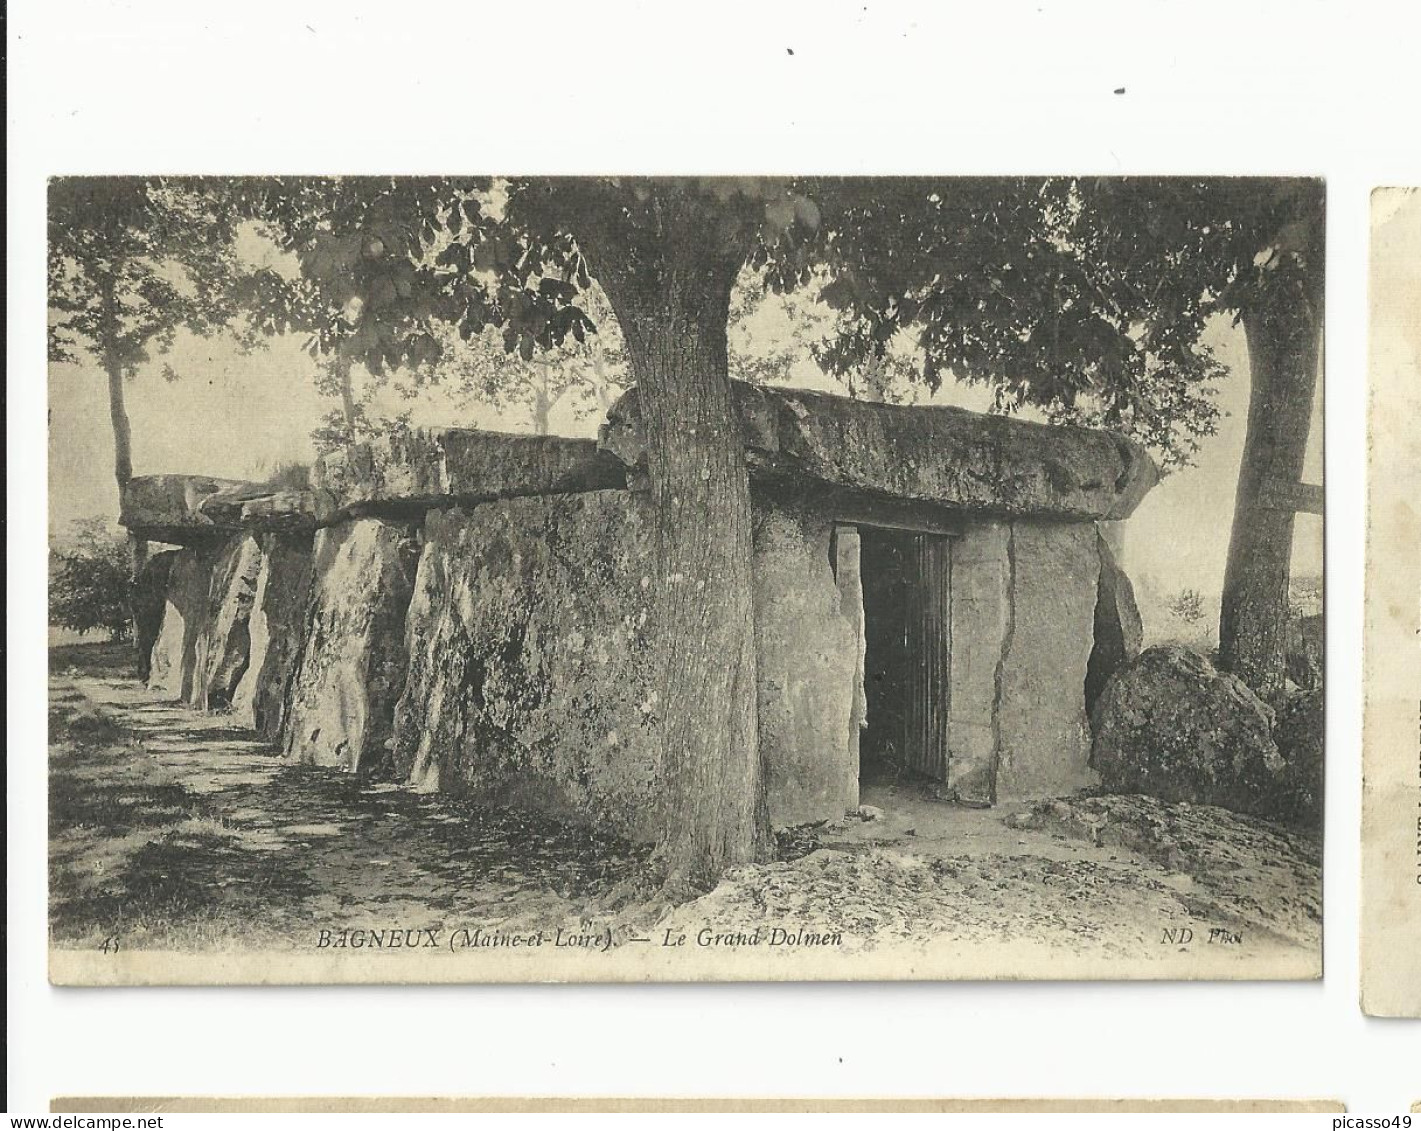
x: 296, y: 86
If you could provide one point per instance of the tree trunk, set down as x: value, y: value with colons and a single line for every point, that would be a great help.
x: 673, y: 303
x: 542, y: 402
x: 113, y: 369
x: 1284, y: 337
x: 347, y: 396
x: 122, y: 454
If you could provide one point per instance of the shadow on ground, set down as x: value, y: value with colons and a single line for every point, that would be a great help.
x: 170, y: 829
x: 176, y: 830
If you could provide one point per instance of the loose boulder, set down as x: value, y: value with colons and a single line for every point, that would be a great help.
x: 1299, y: 736
x: 1172, y: 726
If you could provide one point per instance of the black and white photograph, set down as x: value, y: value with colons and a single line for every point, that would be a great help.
x: 636, y: 578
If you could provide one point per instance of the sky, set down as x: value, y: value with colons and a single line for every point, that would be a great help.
x: 241, y: 415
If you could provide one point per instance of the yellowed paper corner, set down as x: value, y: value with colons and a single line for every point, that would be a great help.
x: 1391, y: 823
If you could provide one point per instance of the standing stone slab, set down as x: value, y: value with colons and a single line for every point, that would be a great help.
x: 223, y: 645
x: 277, y: 632
x: 173, y: 664
x: 1119, y: 632
x: 529, y: 682
x: 848, y: 574
x: 1044, y: 734
x: 150, y: 601
x: 981, y: 612
x: 353, y: 661
x: 810, y: 675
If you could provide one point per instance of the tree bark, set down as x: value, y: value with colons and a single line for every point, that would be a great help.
x: 542, y: 400
x: 122, y: 454
x: 347, y: 396
x: 113, y: 369
x: 1284, y: 331
x: 672, y: 299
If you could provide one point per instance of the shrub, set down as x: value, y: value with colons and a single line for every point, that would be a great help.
x: 1187, y: 605
x: 89, y: 588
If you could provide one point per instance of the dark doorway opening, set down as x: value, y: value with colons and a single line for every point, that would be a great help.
x: 906, y: 577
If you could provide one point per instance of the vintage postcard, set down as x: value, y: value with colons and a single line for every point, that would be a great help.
x: 623, y: 579
x: 1391, y: 797
x: 327, y: 1105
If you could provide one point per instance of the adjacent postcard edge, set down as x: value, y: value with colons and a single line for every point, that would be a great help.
x: 1391, y: 791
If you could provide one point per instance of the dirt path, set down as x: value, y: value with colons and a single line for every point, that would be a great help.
x: 171, y: 829
x: 1095, y: 876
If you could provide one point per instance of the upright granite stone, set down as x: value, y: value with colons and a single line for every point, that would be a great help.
x: 531, y: 684
x: 150, y: 600
x: 981, y: 612
x: 1044, y: 734
x: 277, y: 630
x: 529, y: 681
x: 809, y: 659
x: 173, y: 665
x: 224, y: 644
x: 353, y: 660
x: 1119, y: 632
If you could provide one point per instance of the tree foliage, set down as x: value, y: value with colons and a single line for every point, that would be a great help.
x: 131, y: 262
x: 134, y: 260
x: 89, y: 587
x: 1085, y: 300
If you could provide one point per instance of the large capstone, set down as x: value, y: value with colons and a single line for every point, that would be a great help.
x: 353, y: 660
x: 261, y: 508
x: 168, y: 508
x: 277, y: 631
x: 1170, y: 725
x: 192, y: 510
x: 223, y: 645
x: 406, y: 471
x: 931, y: 455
